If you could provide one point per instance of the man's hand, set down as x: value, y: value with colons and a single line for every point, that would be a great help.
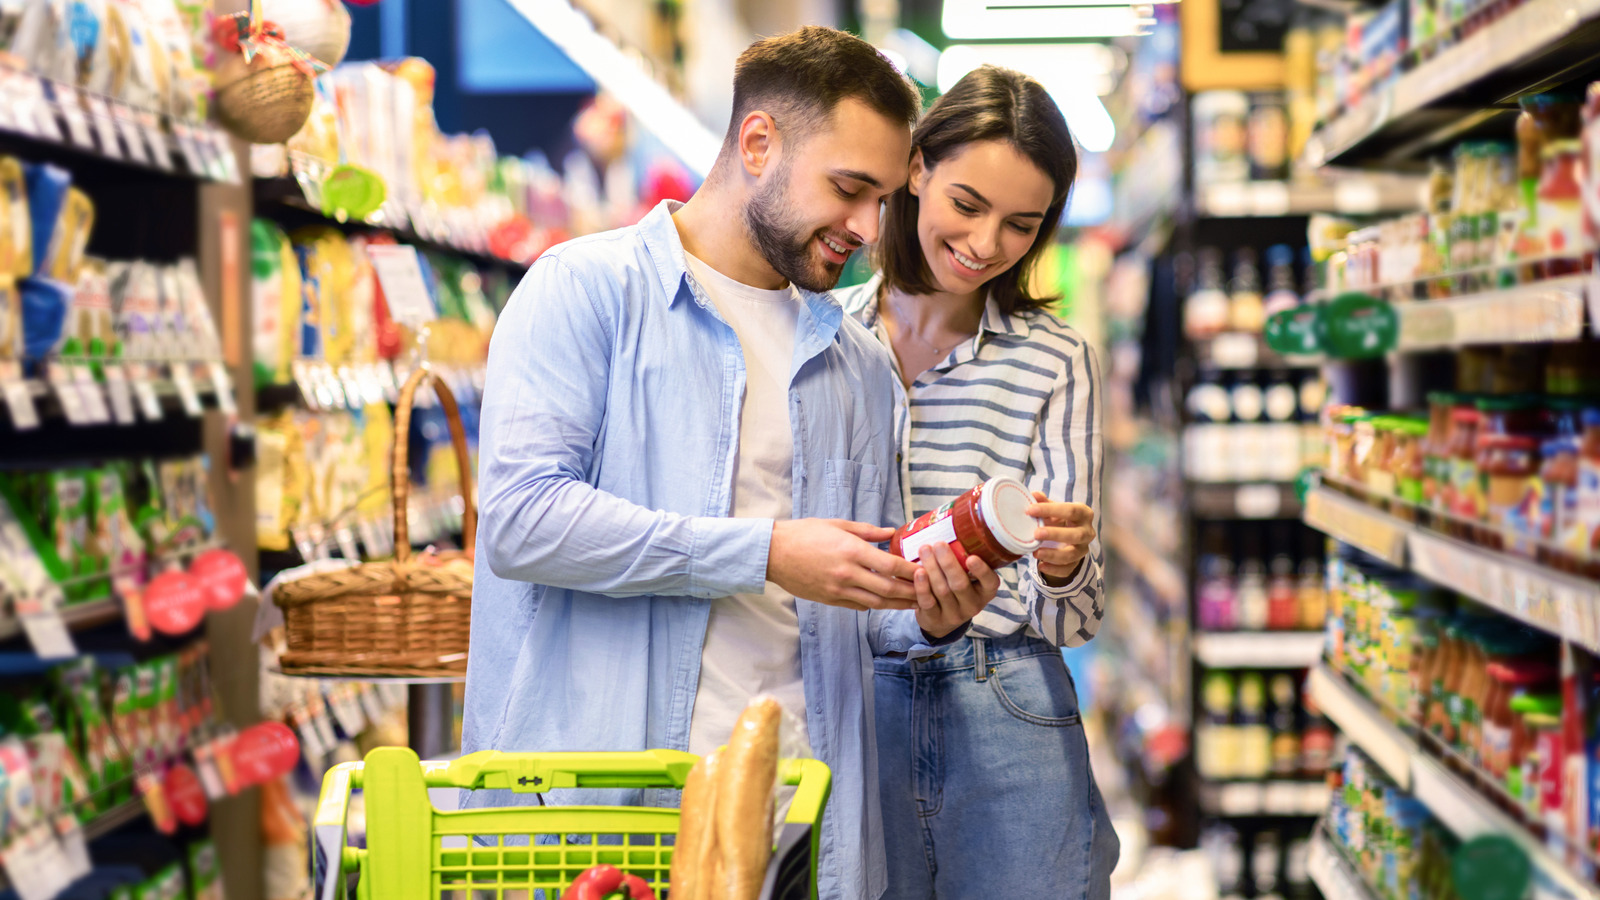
x: 1069, y: 527
x: 948, y: 596
x: 833, y: 561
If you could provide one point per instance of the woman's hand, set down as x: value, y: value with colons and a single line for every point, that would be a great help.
x: 1068, y: 529
x: 948, y: 596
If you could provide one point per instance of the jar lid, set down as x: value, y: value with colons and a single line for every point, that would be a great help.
x: 1467, y: 415
x: 1506, y: 403
x: 1414, y: 427
x: 1004, y: 503
x: 1559, y: 445
x: 1541, y: 720
x: 1443, y: 398
x: 1524, y: 442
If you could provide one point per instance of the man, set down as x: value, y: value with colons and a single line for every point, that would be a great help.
x: 680, y: 436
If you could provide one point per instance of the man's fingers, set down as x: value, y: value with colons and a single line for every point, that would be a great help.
x: 883, y: 585
x: 870, y: 533
x: 987, y: 579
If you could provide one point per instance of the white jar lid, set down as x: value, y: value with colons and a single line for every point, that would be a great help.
x: 1004, y: 503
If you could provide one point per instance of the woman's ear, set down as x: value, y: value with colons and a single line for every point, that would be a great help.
x: 917, y: 174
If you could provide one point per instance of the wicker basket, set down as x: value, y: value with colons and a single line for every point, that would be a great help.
x: 264, y: 101
x: 401, y: 618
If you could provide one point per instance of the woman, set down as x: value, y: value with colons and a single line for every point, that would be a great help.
x: 984, y: 767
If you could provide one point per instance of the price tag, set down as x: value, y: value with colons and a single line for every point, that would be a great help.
x: 370, y: 538
x: 219, y: 154
x: 8, y: 119
x: 35, y: 864
x: 66, y: 388
x: 301, y: 371
x: 44, y: 112
x: 145, y: 392
x: 346, y: 709
x: 1257, y: 501
x: 188, y: 396
x: 70, y: 102
x: 390, y: 378
x: 371, y: 704
x: 224, y: 386
x: 347, y: 543
x: 19, y: 402
x: 160, y: 149
x: 192, y: 157
x: 47, y: 631
x: 205, y: 765
x: 120, y: 395
x: 310, y: 737
x: 128, y: 127
x: 74, y: 846
x: 329, y: 393
x: 24, y: 88
x: 94, y: 399
x: 400, y: 274
x: 105, y: 127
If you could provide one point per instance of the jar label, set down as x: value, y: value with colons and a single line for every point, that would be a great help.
x: 1588, y: 502
x: 942, y: 531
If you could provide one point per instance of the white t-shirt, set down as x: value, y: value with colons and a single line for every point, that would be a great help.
x: 753, y: 640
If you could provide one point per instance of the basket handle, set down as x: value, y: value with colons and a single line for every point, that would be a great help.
x: 399, y: 462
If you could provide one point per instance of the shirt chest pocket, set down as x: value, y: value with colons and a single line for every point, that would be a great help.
x: 852, y: 490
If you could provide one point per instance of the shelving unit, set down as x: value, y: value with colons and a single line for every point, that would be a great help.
x: 1349, y: 194
x: 1241, y: 799
x: 1252, y: 500
x: 1333, y: 874
x: 1461, y: 87
x: 1551, y: 310
x: 1563, y: 605
x: 1464, y: 810
x: 1258, y: 649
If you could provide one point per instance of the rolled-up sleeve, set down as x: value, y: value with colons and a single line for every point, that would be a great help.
x: 543, y: 409
x: 1067, y: 464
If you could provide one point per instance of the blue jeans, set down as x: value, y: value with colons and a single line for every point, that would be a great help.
x: 984, y: 775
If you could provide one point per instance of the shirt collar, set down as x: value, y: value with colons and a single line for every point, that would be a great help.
x: 661, y: 239
x: 994, y: 321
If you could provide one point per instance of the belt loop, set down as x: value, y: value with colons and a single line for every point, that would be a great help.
x: 980, y: 658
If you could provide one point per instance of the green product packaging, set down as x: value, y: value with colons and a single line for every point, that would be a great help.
x: 125, y: 723
x: 166, y: 884
x: 205, y: 872
x: 118, y: 541
x: 68, y: 518
x: 169, y: 734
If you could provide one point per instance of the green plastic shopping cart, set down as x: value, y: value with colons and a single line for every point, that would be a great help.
x: 417, y: 852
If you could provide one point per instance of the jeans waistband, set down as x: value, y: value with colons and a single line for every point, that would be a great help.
x: 963, y: 654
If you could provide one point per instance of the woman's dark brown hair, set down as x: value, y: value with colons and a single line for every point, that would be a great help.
x: 987, y: 104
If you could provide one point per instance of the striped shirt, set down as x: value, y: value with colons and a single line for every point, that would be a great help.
x: 1020, y: 400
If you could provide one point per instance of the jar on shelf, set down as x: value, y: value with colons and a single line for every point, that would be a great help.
x: 1555, y: 522
x: 1560, y: 208
x: 1584, y: 540
x: 1378, y: 469
x: 1509, y: 464
x: 1436, y: 448
x: 1464, y: 494
x: 1410, y: 466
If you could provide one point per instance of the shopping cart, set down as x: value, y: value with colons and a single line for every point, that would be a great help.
x: 416, y: 852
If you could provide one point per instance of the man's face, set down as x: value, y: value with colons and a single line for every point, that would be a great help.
x: 820, y: 200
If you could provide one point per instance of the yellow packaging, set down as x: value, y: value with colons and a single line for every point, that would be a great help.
x: 10, y: 318
x: 333, y: 265
x: 280, y: 479
x: 16, y: 226
x: 377, y: 436
x: 68, y: 239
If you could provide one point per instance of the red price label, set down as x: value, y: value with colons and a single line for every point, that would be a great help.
x: 186, y: 795
x: 174, y: 603
x: 265, y: 751
x: 221, y: 576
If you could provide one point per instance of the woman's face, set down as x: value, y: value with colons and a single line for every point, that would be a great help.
x: 979, y: 210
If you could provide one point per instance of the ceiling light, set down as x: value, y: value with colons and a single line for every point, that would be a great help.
x: 998, y: 20
x: 1057, y: 66
x: 625, y: 78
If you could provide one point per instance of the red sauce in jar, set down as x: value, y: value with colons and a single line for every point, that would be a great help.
x: 989, y: 522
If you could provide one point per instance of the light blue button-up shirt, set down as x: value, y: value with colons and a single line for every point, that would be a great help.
x: 608, y: 440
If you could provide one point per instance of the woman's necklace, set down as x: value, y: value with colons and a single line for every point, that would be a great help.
x: 905, y: 328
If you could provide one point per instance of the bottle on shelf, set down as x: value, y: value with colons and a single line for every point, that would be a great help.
x: 1316, y: 739
x: 1246, y: 311
x: 1252, y: 583
x: 1216, y: 596
x: 1311, y: 591
x: 1282, y: 293
x: 1283, y: 601
x: 1255, y: 738
x: 1217, y: 744
x: 1206, y: 311
x: 1265, y: 857
x: 1247, y: 444
x: 1285, y: 727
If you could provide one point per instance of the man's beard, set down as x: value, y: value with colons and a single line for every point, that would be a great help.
x: 774, y: 226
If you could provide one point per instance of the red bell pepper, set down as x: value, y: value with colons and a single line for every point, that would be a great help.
x: 608, y: 883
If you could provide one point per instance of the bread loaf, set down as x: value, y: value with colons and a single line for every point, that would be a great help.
x: 697, y: 836
x: 745, y: 775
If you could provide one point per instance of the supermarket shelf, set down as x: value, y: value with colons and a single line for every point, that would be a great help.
x: 1363, y: 723
x: 1461, y: 808
x: 1258, y: 649
x: 1356, y: 195
x: 1265, y: 798
x: 116, y: 817
x: 1332, y: 873
x: 78, y: 617
x: 1357, y: 524
x: 1234, y: 350
x: 1549, y: 310
x: 1561, y: 604
x: 1266, y: 500
x: 1158, y: 571
x: 1541, y: 43
x: 282, y: 199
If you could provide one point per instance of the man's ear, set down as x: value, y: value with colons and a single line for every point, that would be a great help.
x: 914, y: 177
x: 758, y: 143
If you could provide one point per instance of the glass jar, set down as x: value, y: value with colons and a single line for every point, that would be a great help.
x: 1556, y: 517
x: 1587, y: 527
x: 1378, y: 472
x: 1464, y: 493
x: 1509, y: 464
x: 1436, y: 448
x: 1410, y: 466
x: 1560, y: 207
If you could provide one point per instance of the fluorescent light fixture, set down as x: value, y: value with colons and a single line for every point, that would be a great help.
x: 895, y: 58
x: 1073, y: 74
x: 1004, y: 20
x: 1076, y: 67
x: 922, y: 58
x: 625, y: 78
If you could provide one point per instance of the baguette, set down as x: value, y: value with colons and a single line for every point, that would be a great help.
x: 697, y: 837
x: 744, y: 801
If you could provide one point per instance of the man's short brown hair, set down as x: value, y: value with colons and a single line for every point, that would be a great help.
x: 799, y: 77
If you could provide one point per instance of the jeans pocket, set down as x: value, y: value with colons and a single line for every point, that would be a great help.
x: 1036, y: 689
